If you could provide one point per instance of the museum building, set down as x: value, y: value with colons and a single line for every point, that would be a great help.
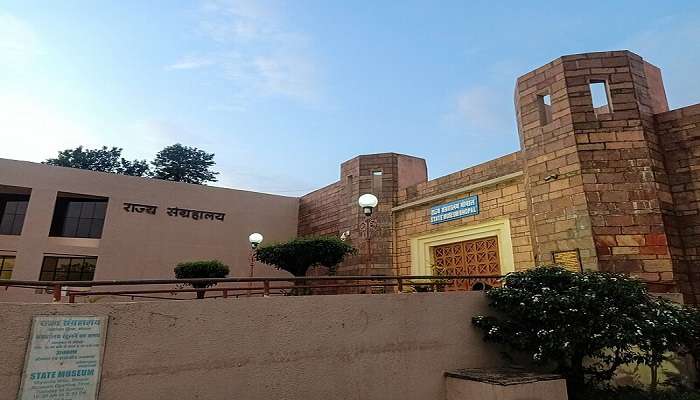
x: 610, y: 186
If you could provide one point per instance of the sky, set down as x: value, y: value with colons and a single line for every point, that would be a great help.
x: 284, y: 91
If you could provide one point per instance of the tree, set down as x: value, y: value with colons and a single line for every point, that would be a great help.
x: 134, y: 168
x: 103, y: 160
x: 184, y: 164
x: 298, y: 255
x: 562, y: 318
x: 201, y: 269
x: 662, y: 328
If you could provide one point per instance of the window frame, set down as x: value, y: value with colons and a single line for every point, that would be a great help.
x: 51, y: 274
x: 3, y: 259
x: 76, y: 217
x: 600, y: 85
x: 17, y: 224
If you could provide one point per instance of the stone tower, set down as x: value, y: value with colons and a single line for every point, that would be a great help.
x: 333, y: 210
x: 595, y: 175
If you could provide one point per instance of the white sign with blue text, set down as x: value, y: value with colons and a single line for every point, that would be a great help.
x: 64, y: 357
x: 454, y: 210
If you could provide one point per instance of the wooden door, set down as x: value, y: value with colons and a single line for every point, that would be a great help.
x: 478, y: 258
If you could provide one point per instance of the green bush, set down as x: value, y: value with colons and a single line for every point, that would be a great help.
x: 298, y: 255
x: 629, y: 393
x: 690, y: 337
x: 584, y: 325
x: 201, y: 269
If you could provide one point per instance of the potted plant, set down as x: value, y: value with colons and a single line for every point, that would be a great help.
x: 440, y: 283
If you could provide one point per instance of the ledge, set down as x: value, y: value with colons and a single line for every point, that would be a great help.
x: 501, y: 376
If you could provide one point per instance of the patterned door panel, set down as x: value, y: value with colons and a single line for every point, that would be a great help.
x: 473, y: 257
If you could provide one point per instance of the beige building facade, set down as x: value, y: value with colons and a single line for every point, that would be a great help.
x: 84, y: 225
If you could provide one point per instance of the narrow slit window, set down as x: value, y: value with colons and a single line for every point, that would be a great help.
x: 599, y: 94
x: 377, y: 181
x: 544, y: 104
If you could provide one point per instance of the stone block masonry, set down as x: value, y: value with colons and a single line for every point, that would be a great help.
x: 604, y: 169
x: 333, y: 210
x: 679, y: 134
x: 614, y: 173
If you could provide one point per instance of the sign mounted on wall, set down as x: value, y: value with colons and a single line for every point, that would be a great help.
x: 64, y: 357
x: 570, y: 259
x: 454, y: 210
x: 140, y: 208
x: 174, y: 212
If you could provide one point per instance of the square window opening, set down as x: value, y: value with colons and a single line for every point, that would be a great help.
x: 600, y: 96
x: 13, y: 208
x: 79, y: 216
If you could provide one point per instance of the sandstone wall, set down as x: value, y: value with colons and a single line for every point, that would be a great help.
x: 679, y: 131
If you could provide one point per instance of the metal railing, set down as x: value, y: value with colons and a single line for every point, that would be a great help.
x: 254, y: 286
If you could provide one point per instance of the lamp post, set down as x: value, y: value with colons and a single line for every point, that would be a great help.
x: 368, y: 202
x: 255, y: 239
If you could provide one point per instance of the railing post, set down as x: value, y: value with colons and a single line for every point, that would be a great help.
x: 225, y: 293
x: 266, y: 288
x: 71, y: 297
x: 399, y: 282
x: 57, y: 293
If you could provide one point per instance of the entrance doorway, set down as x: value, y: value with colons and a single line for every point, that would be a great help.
x: 478, y: 257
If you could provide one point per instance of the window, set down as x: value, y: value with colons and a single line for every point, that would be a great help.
x: 544, y: 105
x: 12, y: 211
x: 547, y: 100
x: 376, y: 181
x: 79, y: 217
x: 600, y: 97
x: 68, y: 269
x: 7, y: 264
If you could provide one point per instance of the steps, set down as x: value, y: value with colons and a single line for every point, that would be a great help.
x: 503, y: 384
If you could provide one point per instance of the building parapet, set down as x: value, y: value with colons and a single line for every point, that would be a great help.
x: 458, y: 191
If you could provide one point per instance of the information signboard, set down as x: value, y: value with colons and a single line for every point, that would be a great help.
x: 569, y: 259
x: 454, y: 210
x: 64, y: 357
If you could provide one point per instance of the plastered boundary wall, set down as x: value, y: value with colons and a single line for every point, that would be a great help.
x: 315, y: 347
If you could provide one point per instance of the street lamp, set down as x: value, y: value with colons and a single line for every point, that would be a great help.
x: 255, y: 239
x: 368, y: 202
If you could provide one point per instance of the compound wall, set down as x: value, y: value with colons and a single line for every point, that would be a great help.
x: 315, y: 347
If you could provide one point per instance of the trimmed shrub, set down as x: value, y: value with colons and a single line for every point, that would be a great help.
x: 298, y: 255
x: 201, y: 269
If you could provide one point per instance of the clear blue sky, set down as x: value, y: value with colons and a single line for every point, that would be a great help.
x: 284, y: 91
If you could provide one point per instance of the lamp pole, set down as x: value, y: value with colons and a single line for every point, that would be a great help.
x: 368, y: 202
x: 254, y: 239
